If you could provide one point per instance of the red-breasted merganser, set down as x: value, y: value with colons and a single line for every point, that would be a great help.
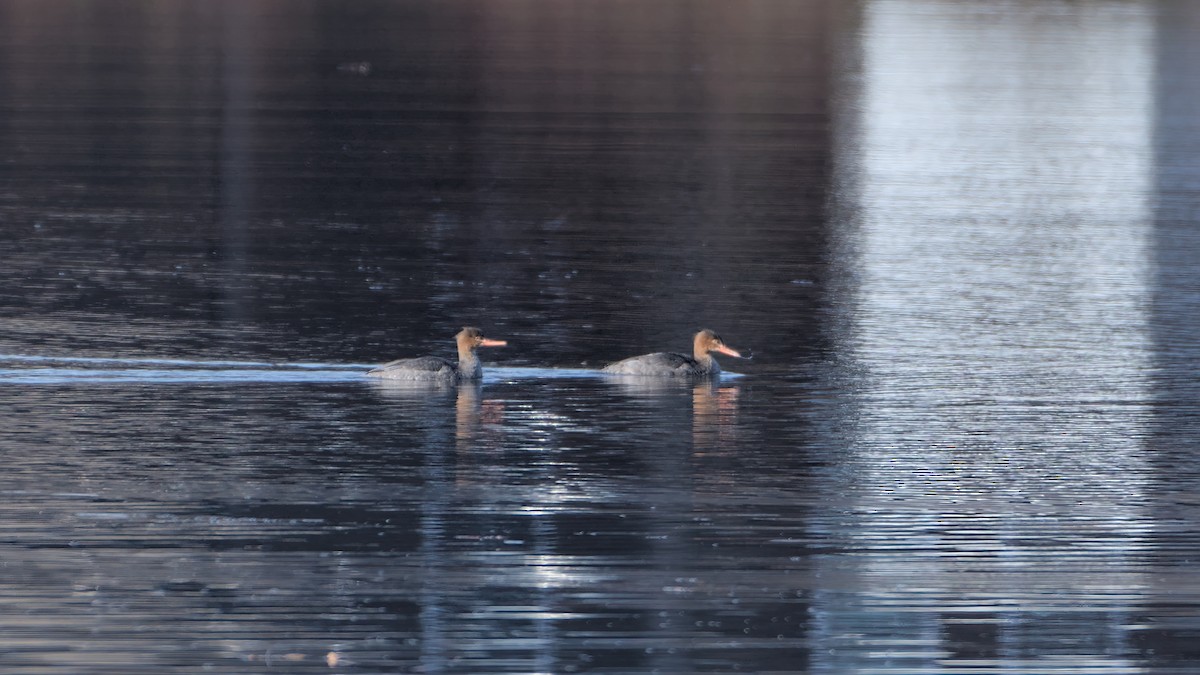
x: 435, y: 368
x: 669, y: 364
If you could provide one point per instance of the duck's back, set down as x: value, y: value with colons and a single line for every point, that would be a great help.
x: 420, y: 368
x: 662, y: 364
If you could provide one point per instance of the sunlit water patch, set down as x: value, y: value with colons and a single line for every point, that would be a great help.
x: 998, y: 471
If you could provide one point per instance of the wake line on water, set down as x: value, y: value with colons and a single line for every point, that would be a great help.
x: 150, y: 371
x: 23, y: 358
x: 277, y: 375
x: 180, y: 375
x: 90, y: 369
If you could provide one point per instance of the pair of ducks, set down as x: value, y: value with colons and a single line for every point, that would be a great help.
x: 659, y: 364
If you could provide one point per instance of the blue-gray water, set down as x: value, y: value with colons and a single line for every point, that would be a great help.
x: 960, y: 239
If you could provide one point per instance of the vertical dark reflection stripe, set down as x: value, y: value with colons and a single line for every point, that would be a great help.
x: 1175, y: 308
x: 236, y: 180
x: 1176, y: 303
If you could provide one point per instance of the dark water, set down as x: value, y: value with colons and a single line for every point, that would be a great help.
x: 960, y: 240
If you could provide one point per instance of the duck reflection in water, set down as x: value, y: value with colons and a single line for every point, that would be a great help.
x: 712, y: 414
x: 471, y: 411
x: 714, y: 418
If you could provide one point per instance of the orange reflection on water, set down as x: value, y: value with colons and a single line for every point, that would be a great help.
x: 714, y: 418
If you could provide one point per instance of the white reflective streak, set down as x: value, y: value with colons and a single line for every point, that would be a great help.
x: 994, y: 172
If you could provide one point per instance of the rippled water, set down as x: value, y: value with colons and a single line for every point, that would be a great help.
x: 959, y: 240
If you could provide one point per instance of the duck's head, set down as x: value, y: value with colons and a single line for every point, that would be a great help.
x: 707, y: 341
x: 471, y: 338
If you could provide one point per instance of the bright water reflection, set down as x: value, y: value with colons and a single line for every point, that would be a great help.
x: 998, y: 322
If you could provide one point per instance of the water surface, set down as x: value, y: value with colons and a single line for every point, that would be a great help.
x: 959, y: 240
